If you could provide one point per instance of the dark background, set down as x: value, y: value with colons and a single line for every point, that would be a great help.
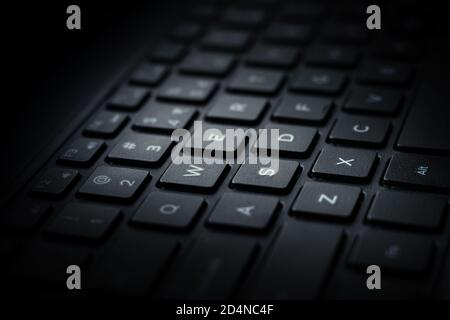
x: 50, y: 72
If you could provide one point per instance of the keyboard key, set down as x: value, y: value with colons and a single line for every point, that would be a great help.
x: 270, y: 56
x: 211, y: 270
x: 149, y: 74
x: 114, y: 183
x: 408, y: 209
x: 405, y: 253
x: 229, y: 108
x: 106, y: 124
x: 244, y: 211
x: 327, y: 200
x: 85, y: 221
x: 293, y: 141
x: 141, y: 150
x: 296, y: 108
x: 385, y: 73
x: 318, y: 81
x: 332, y: 56
x: 168, y: 210
x: 226, y: 40
x: 194, y: 177
x: 82, y: 152
x: 416, y: 171
x: 426, y: 128
x: 345, y: 33
x: 186, y: 32
x: 345, y: 164
x: 282, y: 33
x: 132, y: 272
x: 243, y: 18
x: 373, y: 100
x: 256, y: 81
x: 362, y: 131
x: 47, y: 264
x: 210, y: 64
x: 55, y: 182
x: 168, y: 52
x: 215, y: 142
x: 26, y: 216
x: 203, y: 12
x: 299, y: 262
x: 128, y: 98
x: 184, y: 89
x: 264, y: 178
x: 163, y: 117
x: 294, y: 11
x: 402, y: 49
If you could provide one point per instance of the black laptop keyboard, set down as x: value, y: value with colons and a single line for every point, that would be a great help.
x: 360, y: 182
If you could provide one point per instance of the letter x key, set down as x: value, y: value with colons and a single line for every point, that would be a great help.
x: 345, y: 164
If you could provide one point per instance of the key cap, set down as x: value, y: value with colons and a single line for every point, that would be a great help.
x: 345, y: 164
x: 55, y: 182
x: 397, y: 48
x: 149, y: 74
x: 189, y: 90
x: 373, y: 100
x: 299, y: 262
x: 238, y: 109
x: 421, y: 172
x: 407, y: 209
x: 211, y: 270
x: 141, y: 150
x: 81, y: 152
x: 106, y: 124
x: 168, y: 210
x: 194, y: 177
x: 212, y: 141
x: 362, y: 131
x: 385, y: 73
x: 245, y: 211
x: 84, y: 221
x: 168, y: 52
x: 405, y: 253
x: 345, y: 33
x: 426, y: 127
x: 205, y: 63
x: 26, y: 216
x: 270, y: 56
x: 256, y: 81
x: 293, y: 141
x: 114, y: 183
x: 332, y: 56
x: 163, y: 117
x: 186, y: 32
x: 203, y: 12
x: 282, y: 33
x: 243, y: 18
x: 226, y: 40
x: 128, y: 98
x: 46, y: 263
x: 133, y: 272
x: 303, y: 109
x: 327, y: 200
x: 261, y: 177
x: 294, y: 11
x: 318, y: 81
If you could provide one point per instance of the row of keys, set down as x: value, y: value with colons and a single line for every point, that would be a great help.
x: 212, y: 267
x: 341, y: 164
x: 248, y: 110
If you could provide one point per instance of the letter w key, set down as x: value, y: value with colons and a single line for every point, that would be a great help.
x: 193, y: 171
x: 202, y: 177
